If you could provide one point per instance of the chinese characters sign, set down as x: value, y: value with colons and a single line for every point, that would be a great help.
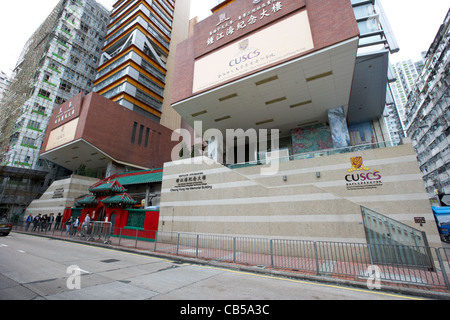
x: 190, y: 182
x: 63, y: 115
x: 279, y: 42
x: 228, y: 26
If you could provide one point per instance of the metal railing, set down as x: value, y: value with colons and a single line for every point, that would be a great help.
x: 342, y: 260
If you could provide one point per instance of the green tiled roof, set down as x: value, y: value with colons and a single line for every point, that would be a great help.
x: 87, y: 201
x: 119, y: 199
x: 140, y: 178
x: 111, y: 186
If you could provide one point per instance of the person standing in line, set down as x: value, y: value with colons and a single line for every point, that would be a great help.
x: 58, y: 221
x: 75, y: 225
x: 85, y: 225
x: 36, y: 222
x: 28, y: 222
x: 43, y: 222
x: 50, y: 220
x: 68, y: 225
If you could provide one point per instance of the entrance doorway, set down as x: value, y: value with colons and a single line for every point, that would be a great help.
x: 101, y: 215
x: 113, y: 222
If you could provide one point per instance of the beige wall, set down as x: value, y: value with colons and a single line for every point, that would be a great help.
x: 244, y: 202
x: 60, y: 194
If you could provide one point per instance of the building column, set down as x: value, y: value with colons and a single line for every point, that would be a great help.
x: 111, y: 169
x: 215, y: 149
x: 339, y: 128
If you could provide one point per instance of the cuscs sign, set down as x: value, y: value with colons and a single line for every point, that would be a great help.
x: 248, y: 56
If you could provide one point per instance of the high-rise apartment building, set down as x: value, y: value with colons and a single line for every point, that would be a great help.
x: 428, y: 114
x: 58, y: 62
x: 405, y: 73
x: 3, y: 83
x: 134, y: 64
x: 133, y: 83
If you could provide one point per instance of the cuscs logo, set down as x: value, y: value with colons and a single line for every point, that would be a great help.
x: 357, y: 165
x: 248, y: 56
x: 371, y: 176
x: 243, y: 46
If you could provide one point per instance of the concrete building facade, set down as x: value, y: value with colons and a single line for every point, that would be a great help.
x: 57, y: 62
x: 428, y: 115
x: 293, y: 123
x: 135, y: 64
x: 406, y: 74
x: 71, y: 56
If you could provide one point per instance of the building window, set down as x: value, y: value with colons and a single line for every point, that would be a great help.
x: 133, y: 134
x: 28, y: 141
x: 147, y: 135
x: 39, y: 108
x: 66, y: 29
x: 59, y: 101
x: 54, y: 66
x: 47, y: 76
x: 66, y: 86
x: 34, y: 124
x: 44, y: 93
x: 61, y: 52
x: 141, y: 133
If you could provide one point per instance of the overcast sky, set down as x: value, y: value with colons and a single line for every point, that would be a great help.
x: 414, y: 25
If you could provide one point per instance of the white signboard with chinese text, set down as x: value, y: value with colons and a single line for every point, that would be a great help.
x: 62, y: 135
x: 278, y: 42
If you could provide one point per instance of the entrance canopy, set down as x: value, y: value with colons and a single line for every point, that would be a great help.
x: 290, y: 95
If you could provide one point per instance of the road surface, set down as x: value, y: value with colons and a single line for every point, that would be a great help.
x: 38, y: 268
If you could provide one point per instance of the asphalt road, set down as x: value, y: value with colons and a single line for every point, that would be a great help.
x: 36, y: 268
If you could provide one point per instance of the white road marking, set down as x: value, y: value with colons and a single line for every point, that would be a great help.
x: 81, y: 270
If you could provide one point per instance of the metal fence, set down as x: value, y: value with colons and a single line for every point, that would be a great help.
x: 353, y: 261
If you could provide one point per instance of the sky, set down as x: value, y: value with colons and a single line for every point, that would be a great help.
x: 414, y: 25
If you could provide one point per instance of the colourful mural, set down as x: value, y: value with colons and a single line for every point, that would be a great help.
x: 311, y: 138
x: 361, y: 133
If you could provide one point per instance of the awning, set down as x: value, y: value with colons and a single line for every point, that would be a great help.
x: 441, y: 210
x: 442, y: 215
